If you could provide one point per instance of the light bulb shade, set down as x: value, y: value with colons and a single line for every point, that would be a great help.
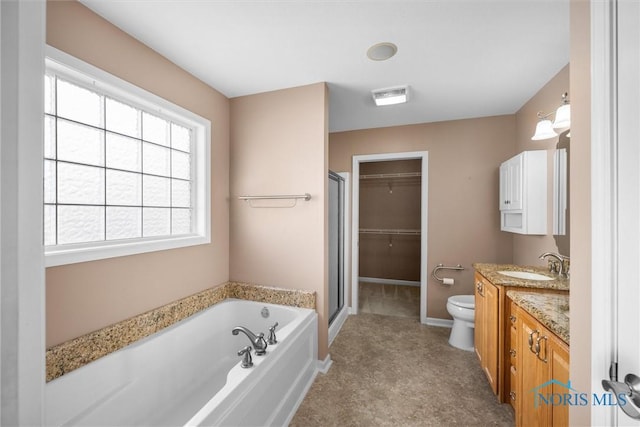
x: 544, y: 130
x: 563, y: 117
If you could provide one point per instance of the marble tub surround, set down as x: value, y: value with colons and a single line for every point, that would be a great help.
x: 75, y: 353
x: 552, y: 310
x: 490, y: 271
x: 272, y: 295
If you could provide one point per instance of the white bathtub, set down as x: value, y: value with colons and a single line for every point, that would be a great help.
x: 189, y: 374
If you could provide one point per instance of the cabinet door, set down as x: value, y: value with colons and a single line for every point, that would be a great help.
x: 478, y: 332
x: 559, y: 366
x: 511, y: 182
x: 533, y: 373
x: 491, y: 344
x: 516, y: 168
x: 504, y: 186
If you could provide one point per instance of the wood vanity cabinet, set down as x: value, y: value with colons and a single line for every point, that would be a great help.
x: 486, y: 333
x: 495, y: 336
x: 540, y: 358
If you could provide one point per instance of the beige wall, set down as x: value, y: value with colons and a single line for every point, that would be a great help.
x: 463, y: 222
x: 279, y: 146
x: 526, y: 249
x: 580, y: 206
x: 87, y: 296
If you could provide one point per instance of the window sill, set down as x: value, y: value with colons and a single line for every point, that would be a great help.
x: 71, y: 254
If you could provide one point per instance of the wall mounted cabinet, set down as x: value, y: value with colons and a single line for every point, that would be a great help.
x: 523, y: 193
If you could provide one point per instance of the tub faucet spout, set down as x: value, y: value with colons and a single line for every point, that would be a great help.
x: 258, y: 341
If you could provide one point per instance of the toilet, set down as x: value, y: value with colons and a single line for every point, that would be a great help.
x: 462, y: 309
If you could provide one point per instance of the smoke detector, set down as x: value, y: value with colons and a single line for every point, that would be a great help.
x: 391, y: 95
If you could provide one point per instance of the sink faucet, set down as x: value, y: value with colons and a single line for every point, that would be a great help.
x: 563, y: 271
x: 258, y: 341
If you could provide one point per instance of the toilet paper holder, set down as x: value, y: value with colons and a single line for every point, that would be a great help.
x: 444, y: 267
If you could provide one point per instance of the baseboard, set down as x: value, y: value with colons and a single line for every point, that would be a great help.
x: 337, y: 323
x: 434, y: 321
x: 325, y: 365
x: 389, y: 281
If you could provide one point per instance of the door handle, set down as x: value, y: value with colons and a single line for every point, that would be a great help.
x: 631, y: 388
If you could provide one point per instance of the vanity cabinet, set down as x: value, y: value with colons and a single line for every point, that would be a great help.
x: 523, y: 193
x: 486, y: 329
x: 542, y: 361
x: 495, y: 334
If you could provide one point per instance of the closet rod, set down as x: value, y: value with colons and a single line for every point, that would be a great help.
x: 305, y: 196
x: 408, y: 232
x: 391, y: 175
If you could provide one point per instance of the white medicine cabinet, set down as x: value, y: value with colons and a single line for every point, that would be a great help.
x: 523, y: 193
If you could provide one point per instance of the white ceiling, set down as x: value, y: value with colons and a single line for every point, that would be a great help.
x: 461, y: 58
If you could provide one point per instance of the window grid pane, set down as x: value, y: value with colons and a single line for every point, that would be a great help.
x: 122, y: 173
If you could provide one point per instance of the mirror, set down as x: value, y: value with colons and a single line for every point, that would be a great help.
x: 561, y: 194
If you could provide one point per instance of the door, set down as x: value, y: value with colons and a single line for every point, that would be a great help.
x: 336, y: 245
x: 616, y: 106
x: 628, y: 292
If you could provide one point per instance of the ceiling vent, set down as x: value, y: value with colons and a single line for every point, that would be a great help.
x: 390, y: 96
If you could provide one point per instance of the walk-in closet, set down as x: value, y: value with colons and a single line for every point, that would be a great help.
x: 389, y: 227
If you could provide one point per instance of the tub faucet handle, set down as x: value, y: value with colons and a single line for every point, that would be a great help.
x: 247, y: 362
x: 272, y: 334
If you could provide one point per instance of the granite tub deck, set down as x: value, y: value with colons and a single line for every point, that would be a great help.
x: 75, y: 353
x: 552, y: 310
x: 490, y: 271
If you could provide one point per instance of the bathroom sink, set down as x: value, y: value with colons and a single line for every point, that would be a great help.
x: 525, y: 275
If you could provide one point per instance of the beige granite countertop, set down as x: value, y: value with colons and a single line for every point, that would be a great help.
x: 77, y: 352
x: 490, y: 271
x: 552, y: 310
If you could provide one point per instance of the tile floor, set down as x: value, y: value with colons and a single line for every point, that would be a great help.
x: 394, y: 371
x: 390, y: 300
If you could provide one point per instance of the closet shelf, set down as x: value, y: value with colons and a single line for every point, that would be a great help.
x: 391, y: 175
x: 406, y: 232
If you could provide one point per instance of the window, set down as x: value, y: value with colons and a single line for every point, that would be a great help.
x: 125, y: 171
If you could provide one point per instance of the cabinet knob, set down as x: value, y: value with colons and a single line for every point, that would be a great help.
x: 512, y: 352
x: 512, y: 318
x: 479, y: 288
x: 512, y: 394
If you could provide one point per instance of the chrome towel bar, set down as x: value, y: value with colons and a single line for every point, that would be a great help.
x: 293, y: 197
x: 305, y: 196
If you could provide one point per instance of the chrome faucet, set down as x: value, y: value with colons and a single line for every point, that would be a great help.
x: 258, y: 341
x: 558, y: 265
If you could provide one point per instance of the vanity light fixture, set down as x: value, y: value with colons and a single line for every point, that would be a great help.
x: 563, y: 114
x: 545, y: 129
x: 390, y: 96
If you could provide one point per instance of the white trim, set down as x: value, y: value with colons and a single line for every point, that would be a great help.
x: 338, y: 322
x: 389, y: 281
x: 444, y: 323
x: 424, y: 209
x: 325, y: 365
x: 603, y: 202
x: 22, y: 286
x: 81, y: 72
x: 346, y: 235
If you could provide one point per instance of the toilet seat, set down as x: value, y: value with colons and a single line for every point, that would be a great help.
x: 464, y: 301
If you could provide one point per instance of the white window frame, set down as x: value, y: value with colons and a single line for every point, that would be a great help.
x: 79, y: 71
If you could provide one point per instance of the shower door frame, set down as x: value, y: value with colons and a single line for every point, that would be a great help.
x: 355, y: 222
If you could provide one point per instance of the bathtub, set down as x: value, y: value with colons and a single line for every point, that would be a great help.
x: 189, y: 374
